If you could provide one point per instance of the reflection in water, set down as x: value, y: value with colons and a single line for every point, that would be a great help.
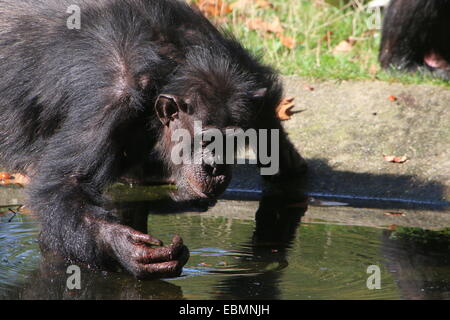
x: 421, y: 270
x: 234, y: 256
x: 25, y: 274
x: 276, y: 223
x: 49, y: 282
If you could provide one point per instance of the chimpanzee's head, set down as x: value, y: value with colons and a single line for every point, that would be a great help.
x: 216, y: 92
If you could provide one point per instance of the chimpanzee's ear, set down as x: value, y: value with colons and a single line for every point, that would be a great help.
x: 167, y: 108
x: 260, y: 93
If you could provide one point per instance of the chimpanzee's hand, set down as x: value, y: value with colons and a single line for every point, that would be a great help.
x: 132, y: 249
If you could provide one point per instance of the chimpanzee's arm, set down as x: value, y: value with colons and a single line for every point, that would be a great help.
x: 79, y: 161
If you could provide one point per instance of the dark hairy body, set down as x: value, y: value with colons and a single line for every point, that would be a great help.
x: 416, y: 36
x: 82, y: 108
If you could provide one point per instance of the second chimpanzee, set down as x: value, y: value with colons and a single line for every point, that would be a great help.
x: 416, y: 36
x: 81, y: 107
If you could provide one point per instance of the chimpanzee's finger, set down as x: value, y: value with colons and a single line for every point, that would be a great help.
x: 161, y: 270
x: 145, y: 238
x: 177, y: 240
x: 168, y: 253
x: 184, y: 256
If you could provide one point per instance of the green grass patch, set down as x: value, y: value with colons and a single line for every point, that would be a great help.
x: 317, y: 27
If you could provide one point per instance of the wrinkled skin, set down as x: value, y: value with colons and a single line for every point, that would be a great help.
x: 135, y: 250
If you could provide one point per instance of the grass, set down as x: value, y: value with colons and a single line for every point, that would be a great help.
x: 317, y: 26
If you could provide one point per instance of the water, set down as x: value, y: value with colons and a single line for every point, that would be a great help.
x: 235, y: 257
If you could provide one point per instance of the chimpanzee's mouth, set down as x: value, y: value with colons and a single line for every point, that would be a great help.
x: 214, y: 188
x: 200, y: 182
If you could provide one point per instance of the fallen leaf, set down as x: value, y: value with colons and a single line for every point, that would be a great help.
x: 397, y: 214
x: 264, y: 4
x: 213, y: 8
x: 288, y: 42
x: 395, y: 159
x: 284, y: 109
x: 16, y: 178
x: 309, y: 88
x: 327, y: 36
x: 262, y: 25
x: 392, y: 227
x: 344, y: 46
x: 20, y: 179
x: 392, y: 98
x: 373, y: 69
x: 319, y: 3
x: 242, y: 4
x: 5, y: 176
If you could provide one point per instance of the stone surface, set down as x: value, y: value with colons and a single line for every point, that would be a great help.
x: 345, y: 128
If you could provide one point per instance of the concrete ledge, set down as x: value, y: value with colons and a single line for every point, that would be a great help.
x: 346, y: 127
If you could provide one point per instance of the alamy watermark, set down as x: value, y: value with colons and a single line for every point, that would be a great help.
x: 74, y: 20
x: 374, y: 280
x: 74, y: 280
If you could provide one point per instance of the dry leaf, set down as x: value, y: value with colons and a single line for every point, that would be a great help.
x: 327, y: 36
x: 344, y: 46
x: 395, y: 159
x: 20, y: 179
x: 213, y: 8
x: 373, y: 69
x: 396, y: 214
x: 271, y: 27
x: 264, y: 4
x: 392, y: 98
x: 392, y: 227
x: 309, y: 88
x: 284, y: 110
x: 242, y: 4
x: 5, y: 176
x: 288, y: 42
x: 319, y: 3
x: 15, y: 178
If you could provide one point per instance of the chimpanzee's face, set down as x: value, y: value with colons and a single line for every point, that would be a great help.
x: 183, y: 121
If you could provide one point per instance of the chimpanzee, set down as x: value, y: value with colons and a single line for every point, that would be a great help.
x: 81, y: 107
x: 416, y: 36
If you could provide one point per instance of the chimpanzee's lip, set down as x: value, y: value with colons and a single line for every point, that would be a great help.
x: 219, y: 182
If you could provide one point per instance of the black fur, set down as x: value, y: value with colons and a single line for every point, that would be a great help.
x: 411, y: 30
x: 77, y: 106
